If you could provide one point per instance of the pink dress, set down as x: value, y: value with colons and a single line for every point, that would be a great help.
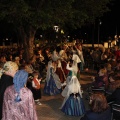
x: 23, y: 110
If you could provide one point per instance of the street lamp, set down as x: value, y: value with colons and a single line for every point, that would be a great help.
x: 56, y: 28
x: 99, y: 31
x: 116, y: 39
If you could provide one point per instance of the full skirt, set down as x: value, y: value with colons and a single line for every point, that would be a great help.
x: 74, y: 106
x: 51, y: 88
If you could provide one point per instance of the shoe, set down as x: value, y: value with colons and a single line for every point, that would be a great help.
x: 37, y: 100
x: 38, y: 103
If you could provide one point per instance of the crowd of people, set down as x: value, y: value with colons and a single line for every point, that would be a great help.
x: 60, y: 67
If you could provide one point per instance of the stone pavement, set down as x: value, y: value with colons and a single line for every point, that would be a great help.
x: 49, y: 110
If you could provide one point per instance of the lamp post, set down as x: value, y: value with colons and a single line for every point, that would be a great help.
x: 109, y: 46
x: 99, y: 31
x: 109, y: 42
x: 116, y: 40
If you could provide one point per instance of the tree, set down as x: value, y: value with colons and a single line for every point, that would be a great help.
x: 29, y: 15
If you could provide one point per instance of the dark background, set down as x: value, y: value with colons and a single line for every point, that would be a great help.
x: 110, y: 26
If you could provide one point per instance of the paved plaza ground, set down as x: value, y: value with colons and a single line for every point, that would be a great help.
x: 49, y: 110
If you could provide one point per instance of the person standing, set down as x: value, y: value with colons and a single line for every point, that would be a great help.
x: 73, y: 103
x: 18, y: 103
x: 81, y: 56
x: 73, y: 70
x: 53, y: 83
x: 36, y: 88
x: 58, y: 66
x: 9, y: 70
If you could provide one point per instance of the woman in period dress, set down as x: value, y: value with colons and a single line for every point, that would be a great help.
x: 53, y: 83
x: 18, y: 103
x: 73, y: 104
x: 63, y: 55
x: 73, y: 69
x: 80, y: 53
x: 59, y: 70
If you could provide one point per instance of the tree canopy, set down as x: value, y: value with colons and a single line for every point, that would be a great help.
x: 46, y: 13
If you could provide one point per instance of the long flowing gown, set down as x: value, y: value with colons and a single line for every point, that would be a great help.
x: 53, y: 84
x: 73, y: 103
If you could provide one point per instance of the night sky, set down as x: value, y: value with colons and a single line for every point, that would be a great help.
x: 110, y: 26
x: 111, y: 22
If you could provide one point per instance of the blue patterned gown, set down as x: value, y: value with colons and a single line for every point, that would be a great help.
x: 53, y: 85
x: 74, y: 105
x: 73, y: 102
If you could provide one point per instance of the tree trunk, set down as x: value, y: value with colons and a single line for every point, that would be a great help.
x: 29, y: 50
x: 28, y: 42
